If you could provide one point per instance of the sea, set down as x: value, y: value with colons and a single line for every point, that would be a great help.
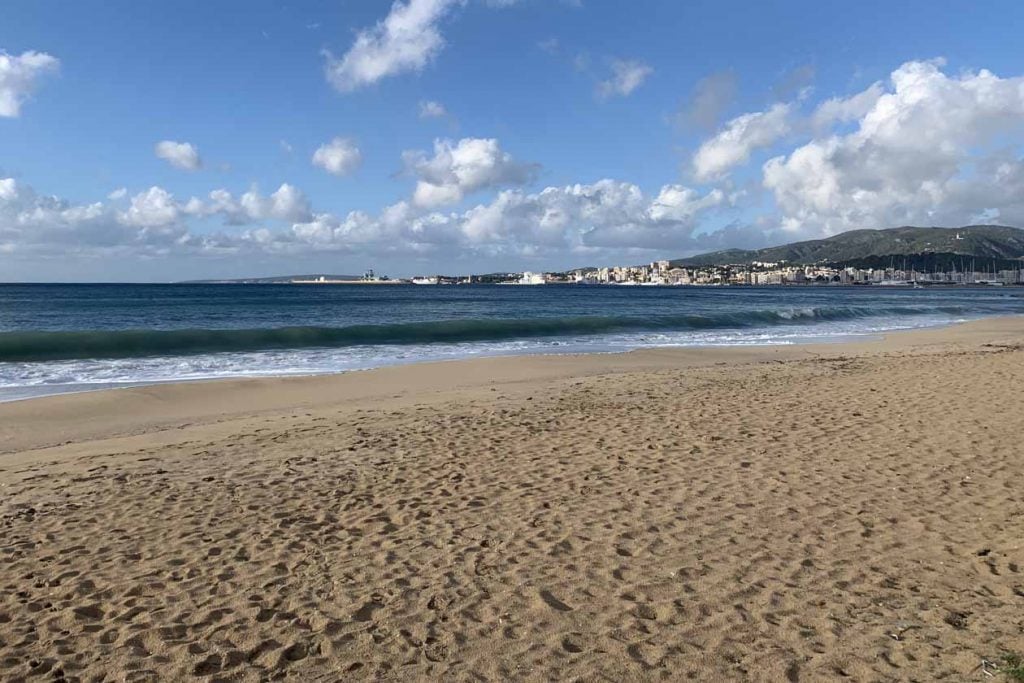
x: 58, y: 338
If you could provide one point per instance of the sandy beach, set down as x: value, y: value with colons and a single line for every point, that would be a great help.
x: 796, y: 513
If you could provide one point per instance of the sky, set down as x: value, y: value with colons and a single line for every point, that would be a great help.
x: 148, y: 141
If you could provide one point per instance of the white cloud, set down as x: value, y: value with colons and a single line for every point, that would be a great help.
x: 8, y: 189
x: 931, y: 149
x: 627, y: 75
x: 287, y: 203
x: 923, y: 147
x: 607, y: 214
x: 182, y: 155
x: 682, y: 204
x: 846, y: 109
x: 430, y: 109
x: 35, y: 223
x: 19, y: 75
x: 742, y: 135
x: 581, y: 218
x: 458, y: 169
x: 338, y: 157
x: 153, y: 208
x: 407, y: 39
x: 119, y: 193
x: 604, y: 215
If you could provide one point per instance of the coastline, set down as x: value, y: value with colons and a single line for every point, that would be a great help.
x: 284, y: 333
x: 36, y: 391
x: 45, y: 421
x: 766, y: 513
x: 51, y: 420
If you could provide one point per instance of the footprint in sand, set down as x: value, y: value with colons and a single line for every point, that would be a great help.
x: 573, y: 643
x: 553, y: 602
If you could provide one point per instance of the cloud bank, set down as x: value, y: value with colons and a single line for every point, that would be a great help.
x: 921, y: 147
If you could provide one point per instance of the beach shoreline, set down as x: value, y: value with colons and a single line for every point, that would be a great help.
x: 762, y: 513
x: 218, y: 398
x: 33, y: 392
x: 136, y: 337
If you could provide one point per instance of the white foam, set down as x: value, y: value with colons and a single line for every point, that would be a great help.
x: 26, y: 380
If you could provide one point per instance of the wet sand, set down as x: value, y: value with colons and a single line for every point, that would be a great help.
x: 801, y: 513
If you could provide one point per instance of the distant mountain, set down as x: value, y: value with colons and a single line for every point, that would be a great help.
x: 919, y: 247
x: 277, y: 280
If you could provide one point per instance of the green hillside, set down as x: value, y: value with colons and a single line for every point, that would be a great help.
x: 985, y: 243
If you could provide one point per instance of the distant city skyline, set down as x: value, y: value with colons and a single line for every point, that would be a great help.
x: 199, y: 140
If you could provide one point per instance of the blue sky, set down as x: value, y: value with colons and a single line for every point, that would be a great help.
x: 563, y: 133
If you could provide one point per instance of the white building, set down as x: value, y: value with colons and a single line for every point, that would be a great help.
x: 529, y: 278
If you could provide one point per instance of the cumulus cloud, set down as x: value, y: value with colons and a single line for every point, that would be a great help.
x: 626, y: 76
x: 682, y: 204
x: 929, y: 149
x: 152, y: 222
x: 458, y: 169
x: 150, y: 209
x: 338, y: 157
x: 607, y: 214
x: 846, y: 109
x: 585, y: 218
x: 923, y: 147
x: 182, y: 155
x: 739, y: 137
x: 432, y: 110
x: 407, y: 39
x: 8, y: 189
x: 19, y: 76
x: 30, y: 222
x: 287, y: 203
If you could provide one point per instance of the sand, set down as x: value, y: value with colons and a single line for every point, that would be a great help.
x: 791, y: 514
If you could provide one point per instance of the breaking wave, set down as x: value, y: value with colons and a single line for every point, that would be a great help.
x: 36, y: 346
